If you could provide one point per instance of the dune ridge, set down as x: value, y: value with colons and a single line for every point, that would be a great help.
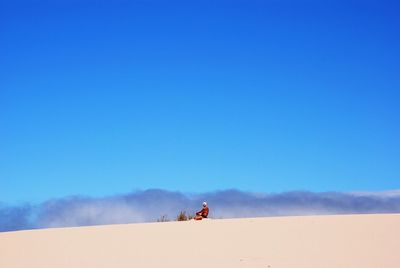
x: 371, y: 240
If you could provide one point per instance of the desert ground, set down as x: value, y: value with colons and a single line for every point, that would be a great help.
x: 358, y: 241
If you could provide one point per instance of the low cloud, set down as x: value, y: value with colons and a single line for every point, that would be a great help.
x: 150, y: 205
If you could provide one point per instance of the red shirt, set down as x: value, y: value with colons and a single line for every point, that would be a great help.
x: 204, y: 212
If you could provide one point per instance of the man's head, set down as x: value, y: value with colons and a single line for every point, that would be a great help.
x: 204, y: 204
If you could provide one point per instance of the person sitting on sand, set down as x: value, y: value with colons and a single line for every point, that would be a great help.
x: 202, y: 214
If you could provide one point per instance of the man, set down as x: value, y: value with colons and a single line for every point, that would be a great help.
x: 202, y: 214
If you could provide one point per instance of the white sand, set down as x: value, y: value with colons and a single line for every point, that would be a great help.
x: 358, y: 241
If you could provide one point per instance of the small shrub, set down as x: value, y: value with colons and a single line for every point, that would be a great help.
x: 182, y: 216
x: 163, y: 218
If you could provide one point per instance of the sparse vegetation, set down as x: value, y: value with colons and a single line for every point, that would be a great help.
x: 182, y: 216
x: 163, y: 218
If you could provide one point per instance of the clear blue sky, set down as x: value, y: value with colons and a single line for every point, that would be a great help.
x: 105, y: 97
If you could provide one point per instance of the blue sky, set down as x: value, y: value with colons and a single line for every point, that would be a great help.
x: 105, y: 97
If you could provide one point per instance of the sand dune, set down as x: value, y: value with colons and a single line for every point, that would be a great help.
x: 358, y: 241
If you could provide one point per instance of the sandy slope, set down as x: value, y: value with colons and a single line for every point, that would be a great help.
x: 358, y: 241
